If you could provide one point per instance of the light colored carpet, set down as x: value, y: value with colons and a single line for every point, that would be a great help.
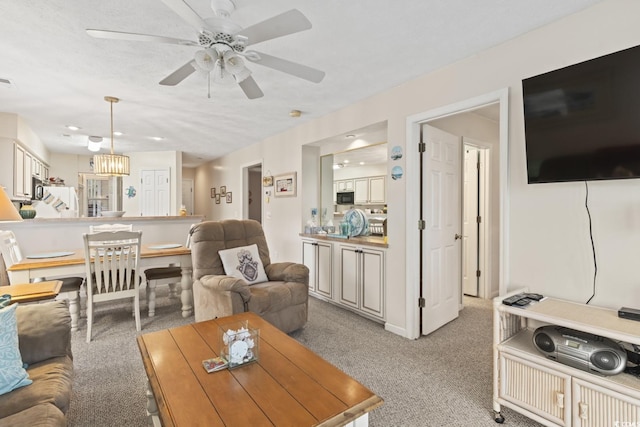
x: 442, y: 379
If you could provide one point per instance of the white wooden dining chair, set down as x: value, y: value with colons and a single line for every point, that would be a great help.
x: 110, y: 227
x: 70, y: 289
x: 111, y: 265
x: 153, y: 276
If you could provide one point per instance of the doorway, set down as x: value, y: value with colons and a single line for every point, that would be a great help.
x: 187, y: 195
x: 476, y: 223
x: 445, y: 291
x: 252, y: 186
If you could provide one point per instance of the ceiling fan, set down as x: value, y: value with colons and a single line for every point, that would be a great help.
x: 223, y: 45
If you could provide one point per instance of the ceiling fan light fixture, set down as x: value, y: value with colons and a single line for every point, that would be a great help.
x: 111, y: 164
x: 206, y: 59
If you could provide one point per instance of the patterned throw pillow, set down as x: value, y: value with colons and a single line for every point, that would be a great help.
x: 244, y: 263
x: 12, y: 372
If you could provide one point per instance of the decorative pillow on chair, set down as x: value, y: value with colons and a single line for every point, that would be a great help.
x: 244, y: 263
x: 12, y: 372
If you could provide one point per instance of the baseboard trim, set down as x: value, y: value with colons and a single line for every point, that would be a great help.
x: 396, y: 330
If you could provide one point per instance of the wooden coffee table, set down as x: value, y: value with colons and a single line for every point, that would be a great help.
x: 289, y: 385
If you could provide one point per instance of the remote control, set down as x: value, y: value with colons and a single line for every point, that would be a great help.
x: 535, y: 297
x: 513, y: 299
x: 522, y: 302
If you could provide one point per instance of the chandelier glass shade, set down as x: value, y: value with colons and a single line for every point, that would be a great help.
x: 111, y: 164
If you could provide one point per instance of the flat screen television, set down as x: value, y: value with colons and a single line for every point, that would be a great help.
x: 582, y: 122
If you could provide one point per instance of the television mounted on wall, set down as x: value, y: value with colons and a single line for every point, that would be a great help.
x: 582, y: 122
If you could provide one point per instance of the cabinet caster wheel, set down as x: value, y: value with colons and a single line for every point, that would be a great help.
x: 498, y: 418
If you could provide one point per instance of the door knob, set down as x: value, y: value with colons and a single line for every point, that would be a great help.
x: 458, y: 236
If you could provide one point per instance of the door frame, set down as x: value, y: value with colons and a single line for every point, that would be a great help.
x: 412, y: 211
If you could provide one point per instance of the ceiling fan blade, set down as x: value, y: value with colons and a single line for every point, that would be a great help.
x: 119, y: 35
x: 180, y: 74
x: 286, y: 23
x: 293, y: 68
x: 251, y: 88
x: 185, y: 12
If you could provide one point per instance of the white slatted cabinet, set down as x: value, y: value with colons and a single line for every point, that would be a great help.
x: 553, y: 393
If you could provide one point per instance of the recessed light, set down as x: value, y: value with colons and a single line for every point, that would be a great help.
x: 361, y: 163
x: 350, y: 136
x: 346, y: 161
x: 156, y: 138
x: 72, y: 127
x: 118, y: 133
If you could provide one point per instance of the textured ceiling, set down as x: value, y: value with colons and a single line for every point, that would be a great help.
x: 59, y: 75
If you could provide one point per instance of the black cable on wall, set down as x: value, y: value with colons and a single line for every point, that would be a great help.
x: 593, y: 248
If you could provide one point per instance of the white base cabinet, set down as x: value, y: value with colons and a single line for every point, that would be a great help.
x: 362, y: 279
x: 318, y: 257
x: 351, y: 276
x: 550, y: 392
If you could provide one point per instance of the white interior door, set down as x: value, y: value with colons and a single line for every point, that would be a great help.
x: 470, y: 216
x: 155, y: 199
x: 441, y: 251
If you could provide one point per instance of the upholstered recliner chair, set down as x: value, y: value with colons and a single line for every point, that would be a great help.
x: 282, y: 299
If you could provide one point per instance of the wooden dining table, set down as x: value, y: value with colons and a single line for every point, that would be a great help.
x: 32, y: 292
x: 71, y: 263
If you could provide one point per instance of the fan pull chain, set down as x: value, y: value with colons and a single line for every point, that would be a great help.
x: 209, y: 86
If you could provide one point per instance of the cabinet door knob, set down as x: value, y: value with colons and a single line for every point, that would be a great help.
x: 583, y: 410
x: 457, y: 236
x: 560, y: 399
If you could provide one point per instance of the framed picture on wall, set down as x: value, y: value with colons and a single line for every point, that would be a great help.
x: 223, y: 190
x: 229, y: 198
x: 285, y: 185
x: 217, y: 197
x: 213, y: 192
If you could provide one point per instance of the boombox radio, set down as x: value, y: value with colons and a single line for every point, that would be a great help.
x: 581, y: 350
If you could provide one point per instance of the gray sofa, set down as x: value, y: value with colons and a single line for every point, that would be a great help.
x: 44, y: 332
x: 282, y: 300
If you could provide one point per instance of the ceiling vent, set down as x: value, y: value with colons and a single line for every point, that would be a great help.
x: 6, y: 83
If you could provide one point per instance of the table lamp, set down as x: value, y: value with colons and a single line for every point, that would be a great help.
x: 8, y: 211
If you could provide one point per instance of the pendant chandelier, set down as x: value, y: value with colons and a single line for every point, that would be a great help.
x: 111, y: 164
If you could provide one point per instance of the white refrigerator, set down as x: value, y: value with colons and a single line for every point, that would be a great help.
x: 57, y: 202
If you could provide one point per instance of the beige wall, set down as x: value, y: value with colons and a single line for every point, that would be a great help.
x: 549, y: 247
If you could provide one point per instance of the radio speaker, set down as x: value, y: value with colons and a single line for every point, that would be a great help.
x: 581, y: 350
x: 544, y: 343
x: 606, y: 360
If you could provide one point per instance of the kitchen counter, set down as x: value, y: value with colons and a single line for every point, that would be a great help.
x: 56, y: 234
x: 377, y: 241
x: 107, y: 219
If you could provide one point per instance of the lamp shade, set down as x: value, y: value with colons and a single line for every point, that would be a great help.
x: 8, y: 211
x: 111, y: 164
